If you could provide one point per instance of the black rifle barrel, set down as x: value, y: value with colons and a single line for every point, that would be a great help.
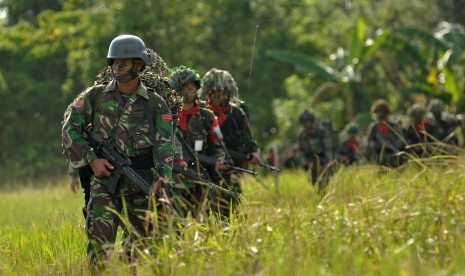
x: 241, y: 156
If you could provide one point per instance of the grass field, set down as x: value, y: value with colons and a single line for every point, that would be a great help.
x: 409, y: 221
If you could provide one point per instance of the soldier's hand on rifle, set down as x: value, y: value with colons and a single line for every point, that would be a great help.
x: 220, y: 163
x: 101, y: 167
x: 184, y: 165
x: 254, y: 158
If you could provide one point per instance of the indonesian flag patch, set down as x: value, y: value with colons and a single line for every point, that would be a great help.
x: 79, y: 103
x: 166, y: 117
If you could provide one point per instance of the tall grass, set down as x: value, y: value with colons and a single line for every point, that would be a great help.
x: 408, y: 221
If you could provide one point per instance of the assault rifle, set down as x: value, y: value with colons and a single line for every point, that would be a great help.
x: 208, y: 160
x: 241, y: 156
x: 203, y: 179
x: 122, y: 164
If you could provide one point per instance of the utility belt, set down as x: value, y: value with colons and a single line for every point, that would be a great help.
x: 142, y: 161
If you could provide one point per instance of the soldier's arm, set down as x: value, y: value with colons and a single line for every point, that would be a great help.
x: 77, y: 147
x: 215, y: 138
x: 164, y: 136
x: 251, y: 145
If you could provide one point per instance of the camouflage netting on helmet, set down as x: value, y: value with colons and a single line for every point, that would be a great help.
x: 182, y: 75
x: 155, y: 75
x: 417, y: 112
x: 217, y: 79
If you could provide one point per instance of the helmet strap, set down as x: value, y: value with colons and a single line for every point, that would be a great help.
x: 132, y: 75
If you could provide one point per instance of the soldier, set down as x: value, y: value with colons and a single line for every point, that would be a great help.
x: 444, y: 123
x: 199, y: 128
x: 348, y: 152
x: 316, y: 147
x: 292, y: 161
x: 220, y: 90
x: 419, y: 132
x: 385, y: 136
x: 117, y: 111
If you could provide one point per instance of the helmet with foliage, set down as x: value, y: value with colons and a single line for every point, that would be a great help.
x: 436, y: 106
x: 127, y: 46
x: 219, y: 80
x: 306, y: 116
x: 154, y: 76
x: 380, y: 107
x: 182, y: 75
x: 417, y: 112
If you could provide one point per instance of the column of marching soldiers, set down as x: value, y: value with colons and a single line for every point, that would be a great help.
x: 210, y: 149
x: 430, y: 130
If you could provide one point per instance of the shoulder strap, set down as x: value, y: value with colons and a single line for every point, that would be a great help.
x: 95, y: 97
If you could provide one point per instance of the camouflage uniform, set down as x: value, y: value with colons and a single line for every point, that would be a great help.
x: 348, y: 152
x: 195, y: 124
x: 419, y: 132
x: 385, y: 137
x: 197, y: 129
x: 236, y: 131
x: 443, y: 122
x: 120, y: 117
x: 316, y: 148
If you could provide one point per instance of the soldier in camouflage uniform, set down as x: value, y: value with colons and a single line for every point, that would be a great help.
x: 385, y: 137
x: 199, y: 128
x: 443, y: 122
x: 348, y: 152
x: 118, y: 113
x: 419, y: 132
x: 316, y: 148
x: 220, y: 91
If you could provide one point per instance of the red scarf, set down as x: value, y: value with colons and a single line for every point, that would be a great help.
x: 184, y: 115
x: 419, y: 126
x: 352, y: 143
x: 383, y: 128
x: 221, y: 113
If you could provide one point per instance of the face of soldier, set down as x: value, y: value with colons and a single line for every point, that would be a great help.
x: 189, y: 92
x: 218, y: 98
x: 309, y: 126
x: 380, y: 115
x: 123, y: 67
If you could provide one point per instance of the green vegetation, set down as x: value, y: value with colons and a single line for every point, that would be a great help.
x: 52, y: 50
x: 408, y: 221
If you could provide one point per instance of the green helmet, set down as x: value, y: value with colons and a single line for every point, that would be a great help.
x: 417, y: 112
x: 436, y: 106
x: 380, y: 106
x: 127, y: 46
x: 353, y: 130
x: 182, y: 75
x: 216, y: 80
x: 306, y: 116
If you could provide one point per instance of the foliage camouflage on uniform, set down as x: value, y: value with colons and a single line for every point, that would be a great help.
x: 236, y: 131
x: 155, y: 75
x: 182, y: 75
x: 216, y: 79
x: 197, y: 123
